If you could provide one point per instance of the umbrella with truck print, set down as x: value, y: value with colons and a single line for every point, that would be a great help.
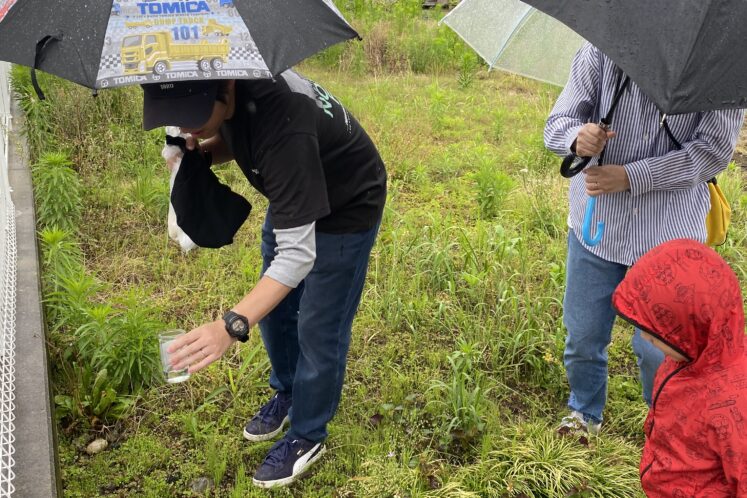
x: 110, y: 43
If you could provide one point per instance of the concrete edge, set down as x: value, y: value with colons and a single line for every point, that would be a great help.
x: 36, y: 460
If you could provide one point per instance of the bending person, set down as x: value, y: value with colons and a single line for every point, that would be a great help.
x: 326, y: 186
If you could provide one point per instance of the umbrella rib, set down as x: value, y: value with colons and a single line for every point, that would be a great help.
x: 521, y: 23
x: 83, y: 65
x: 688, y: 61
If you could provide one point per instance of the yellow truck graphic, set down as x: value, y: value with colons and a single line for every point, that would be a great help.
x: 213, y: 27
x: 148, y: 23
x: 156, y: 51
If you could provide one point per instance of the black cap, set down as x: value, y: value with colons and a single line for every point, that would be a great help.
x: 186, y: 104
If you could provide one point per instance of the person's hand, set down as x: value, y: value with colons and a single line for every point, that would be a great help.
x: 174, y: 160
x: 191, y: 142
x: 606, y: 179
x: 591, y: 140
x: 200, y: 347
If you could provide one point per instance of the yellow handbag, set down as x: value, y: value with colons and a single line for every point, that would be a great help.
x: 717, y: 220
x: 718, y: 217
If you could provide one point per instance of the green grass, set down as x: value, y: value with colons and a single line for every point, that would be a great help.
x: 455, y: 375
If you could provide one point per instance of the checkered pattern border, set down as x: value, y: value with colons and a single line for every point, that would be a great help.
x: 244, y: 54
x: 114, y: 61
x: 110, y: 62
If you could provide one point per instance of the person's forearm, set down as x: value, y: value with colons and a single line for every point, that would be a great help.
x: 674, y: 171
x: 294, y: 258
x: 208, y: 342
x: 267, y: 294
x: 218, y: 149
x: 700, y: 159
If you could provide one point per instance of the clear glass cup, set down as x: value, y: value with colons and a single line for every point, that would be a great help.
x: 164, y: 340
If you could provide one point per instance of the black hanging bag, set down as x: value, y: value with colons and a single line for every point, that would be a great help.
x: 207, y: 210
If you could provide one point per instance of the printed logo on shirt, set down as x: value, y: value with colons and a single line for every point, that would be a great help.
x: 324, y: 100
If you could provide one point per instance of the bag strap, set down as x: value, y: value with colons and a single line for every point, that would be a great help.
x: 665, y: 125
x: 676, y: 142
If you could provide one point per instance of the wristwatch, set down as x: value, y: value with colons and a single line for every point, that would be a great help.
x: 237, y: 325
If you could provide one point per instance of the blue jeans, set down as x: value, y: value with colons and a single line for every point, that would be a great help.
x: 588, y: 317
x: 308, y: 334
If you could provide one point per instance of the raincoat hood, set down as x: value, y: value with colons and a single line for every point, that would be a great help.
x: 684, y: 293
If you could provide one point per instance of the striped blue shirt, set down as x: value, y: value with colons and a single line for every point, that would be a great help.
x: 668, y: 196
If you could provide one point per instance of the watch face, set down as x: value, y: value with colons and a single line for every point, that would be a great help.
x: 237, y: 326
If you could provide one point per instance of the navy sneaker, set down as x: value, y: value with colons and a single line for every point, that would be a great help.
x: 286, y: 461
x: 270, y: 420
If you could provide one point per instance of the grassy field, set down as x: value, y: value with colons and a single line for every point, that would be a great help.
x: 455, y: 378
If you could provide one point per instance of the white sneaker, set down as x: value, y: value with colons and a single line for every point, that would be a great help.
x: 287, y: 461
x: 574, y: 424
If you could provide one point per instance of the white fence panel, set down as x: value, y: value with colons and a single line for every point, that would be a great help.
x: 7, y: 295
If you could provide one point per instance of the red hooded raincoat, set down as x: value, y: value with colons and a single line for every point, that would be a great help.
x: 685, y: 294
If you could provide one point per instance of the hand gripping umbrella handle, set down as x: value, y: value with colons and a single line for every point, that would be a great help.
x: 586, y: 227
x: 573, y: 164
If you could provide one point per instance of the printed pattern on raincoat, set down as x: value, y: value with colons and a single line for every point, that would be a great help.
x: 685, y: 294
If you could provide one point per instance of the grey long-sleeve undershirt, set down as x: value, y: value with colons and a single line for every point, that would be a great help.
x: 295, y: 254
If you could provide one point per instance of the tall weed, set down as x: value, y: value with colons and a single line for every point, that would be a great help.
x: 61, y: 255
x: 57, y: 190
x: 129, y: 349
x: 216, y: 459
x: 397, y: 36
x: 463, y: 403
x: 37, y: 128
x: 69, y: 304
x: 493, y: 187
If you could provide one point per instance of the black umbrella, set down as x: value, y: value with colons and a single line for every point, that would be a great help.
x: 107, y: 43
x: 685, y: 55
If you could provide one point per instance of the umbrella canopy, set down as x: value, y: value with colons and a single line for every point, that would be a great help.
x: 108, y: 43
x: 515, y: 37
x: 685, y: 55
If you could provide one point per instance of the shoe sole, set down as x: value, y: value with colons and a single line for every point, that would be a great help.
x: 257, y: 438
x: 290, y: 480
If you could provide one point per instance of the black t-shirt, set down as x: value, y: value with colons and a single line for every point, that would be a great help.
x: 301, y: 149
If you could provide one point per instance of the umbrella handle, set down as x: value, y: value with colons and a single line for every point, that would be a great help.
x: 586, y: 227
x: 572, y: 165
